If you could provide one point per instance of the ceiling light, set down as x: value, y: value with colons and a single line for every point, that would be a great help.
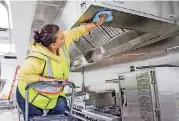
x: 7, y: 48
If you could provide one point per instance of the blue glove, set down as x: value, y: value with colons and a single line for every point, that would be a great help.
x: 108, y: 14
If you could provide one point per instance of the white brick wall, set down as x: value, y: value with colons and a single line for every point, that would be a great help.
x: 96, y: 77
x: 76, y: 77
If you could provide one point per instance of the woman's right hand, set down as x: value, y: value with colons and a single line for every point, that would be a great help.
x: 43, y: 78
x: 51, y: 79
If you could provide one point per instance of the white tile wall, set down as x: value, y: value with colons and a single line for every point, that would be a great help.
x: 76, y: 78
x: 96, y: 78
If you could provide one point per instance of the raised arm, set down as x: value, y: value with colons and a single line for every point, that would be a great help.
x: 77, y: 32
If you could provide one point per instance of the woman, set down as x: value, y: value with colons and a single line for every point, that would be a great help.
x: 50, y: 46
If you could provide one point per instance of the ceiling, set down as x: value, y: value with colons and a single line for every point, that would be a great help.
x: 22, y: 12
x: 45, y: 13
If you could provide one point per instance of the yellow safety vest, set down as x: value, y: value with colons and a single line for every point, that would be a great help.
x: 51, y: 69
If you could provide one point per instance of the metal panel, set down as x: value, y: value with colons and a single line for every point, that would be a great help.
x: 108, y: 40
x: 130, y: 20
x: 103, y: 34
x: 67, y: 15
x: 131, y: 108
x: 85, y: 43
x: 51, y: 3
x: 112, y: 48
x: 160, y: 9
x: 79, y: 62
x: 118, y: 44
x: 43, y: 15
x: 163, y: 48
x: 136, y: 98
x: 95, y: 38
x: 168, y: 92
x: 74, y: 52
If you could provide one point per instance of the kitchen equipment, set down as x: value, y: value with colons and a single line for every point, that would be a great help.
x: 97, y: 99
x: 150, y: 94
x: 96, y: 106
x: 111, y: 113
x: 93, y: 115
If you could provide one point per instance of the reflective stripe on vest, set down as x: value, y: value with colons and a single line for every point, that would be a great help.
x: 49, y: 68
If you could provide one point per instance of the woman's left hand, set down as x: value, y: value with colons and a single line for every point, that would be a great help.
x: 102, y: 18
x: 92, y: 25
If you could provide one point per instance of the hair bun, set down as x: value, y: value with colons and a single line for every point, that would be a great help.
x: 37, y: 37
x: 47, y: 35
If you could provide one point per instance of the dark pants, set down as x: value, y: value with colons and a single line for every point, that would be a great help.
x: 60, y: 107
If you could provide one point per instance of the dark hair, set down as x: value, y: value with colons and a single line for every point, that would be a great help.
x: 47, y: 35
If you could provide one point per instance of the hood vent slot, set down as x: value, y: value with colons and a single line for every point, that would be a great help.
x: 85, y: 43
x: 94, y: 39
x: 101, y: 35
x: 74, y: 52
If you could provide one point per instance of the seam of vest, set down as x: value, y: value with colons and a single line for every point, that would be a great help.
x: 46, y: 97
x: 48, y: 103
x: 43, y: 96
x: 34, y: 98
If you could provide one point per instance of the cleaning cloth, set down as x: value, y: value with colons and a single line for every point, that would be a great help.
x: 108, y: 14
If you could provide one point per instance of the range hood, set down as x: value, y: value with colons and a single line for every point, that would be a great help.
x: 45, y: 12
x: 127, y: 31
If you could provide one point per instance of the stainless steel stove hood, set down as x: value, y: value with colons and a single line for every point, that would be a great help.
x: 130, y: 21
x: 126, y: 32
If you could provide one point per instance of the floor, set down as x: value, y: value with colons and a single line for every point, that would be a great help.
x: 9, y: 115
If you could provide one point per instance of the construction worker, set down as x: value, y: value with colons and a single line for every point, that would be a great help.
x: 50, y: 45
